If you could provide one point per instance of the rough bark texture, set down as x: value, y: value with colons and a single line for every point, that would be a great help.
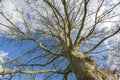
x: 85, y: 68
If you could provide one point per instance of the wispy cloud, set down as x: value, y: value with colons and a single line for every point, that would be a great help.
x: 2, y: 56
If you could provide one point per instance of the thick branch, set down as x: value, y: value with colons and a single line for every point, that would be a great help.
x: 30, y: 72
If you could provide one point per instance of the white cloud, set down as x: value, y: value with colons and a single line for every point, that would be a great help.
x: 2, y: 56
x: 110, y: 25
x: 115, y: 1
x: 7, y: 7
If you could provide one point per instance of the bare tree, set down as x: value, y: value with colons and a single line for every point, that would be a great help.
x: 63, y: 32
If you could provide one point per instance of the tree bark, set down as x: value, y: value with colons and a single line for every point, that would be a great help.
x: 85, y: 68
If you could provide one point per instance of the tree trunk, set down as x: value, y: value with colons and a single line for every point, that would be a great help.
x: 85, y: 69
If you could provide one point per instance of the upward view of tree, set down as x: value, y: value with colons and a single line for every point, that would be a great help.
x: 60, y: 35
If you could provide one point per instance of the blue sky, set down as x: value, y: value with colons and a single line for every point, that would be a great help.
x: 14, y: 49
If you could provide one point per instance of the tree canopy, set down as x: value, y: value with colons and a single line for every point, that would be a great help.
x: 58, y: 36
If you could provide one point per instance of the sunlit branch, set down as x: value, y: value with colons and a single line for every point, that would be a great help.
x: 30, y: 72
